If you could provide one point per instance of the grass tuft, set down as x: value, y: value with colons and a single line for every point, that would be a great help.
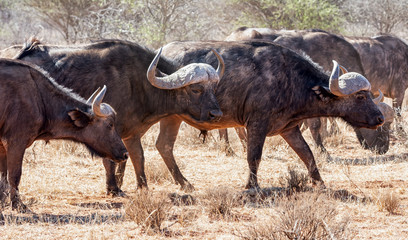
x: 148, y: 210
x: 389, y: 201
x: 158, y: 173
x: 294, y: 181
x: 220, y: 202
x: 299, y: 216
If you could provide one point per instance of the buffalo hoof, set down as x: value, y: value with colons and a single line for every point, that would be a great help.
x: 253, y: 192
x: 253, y: 186
x: 116, y: 193
x: 187, y: 187
x: 318, y: 185
x: 20, y: 207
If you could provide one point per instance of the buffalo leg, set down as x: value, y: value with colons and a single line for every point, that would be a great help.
x: 223, y: 134
x: 112, y: 187
x: 3, y: 176
x: 397, y: 104
x: 15, y: 154
x: 120, y: 173
x: 296, y: 141
x: 315, y: 126
x: 256, y: 140
x: 334, y: 127
x: 135, y: 149
x: 242, y: 134
x: 169, y: 128
x: 3, y: 163
x: 224, y: 137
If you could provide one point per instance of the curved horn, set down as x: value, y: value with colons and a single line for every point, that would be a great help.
x: 348, y: 83
x: 378, y: 99
x: 343, y: 69
x: 151, y: 71
x: 221, y: 64
x: 92, y: 97
x: 96, y: 104
x: 334, y: 80
x: 189, y: 74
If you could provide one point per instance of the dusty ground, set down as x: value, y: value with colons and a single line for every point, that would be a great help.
x: 65, y: 189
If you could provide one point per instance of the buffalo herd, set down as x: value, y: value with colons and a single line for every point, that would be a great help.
x: 266, y: 81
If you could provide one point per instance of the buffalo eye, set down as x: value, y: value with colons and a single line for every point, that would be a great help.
x: 110, y: 125
x: 361, y: 97
x: 196, y: 89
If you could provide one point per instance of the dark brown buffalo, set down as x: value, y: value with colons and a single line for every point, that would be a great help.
x: 385, y: 60
x: 381, y: 137
x: 322, y: 47
x: 34, y: 107
x: 140, y: 100
x: 269, y: 90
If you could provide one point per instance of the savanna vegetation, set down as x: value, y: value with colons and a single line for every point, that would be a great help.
x: 366, y: 195
x: 156, y: 22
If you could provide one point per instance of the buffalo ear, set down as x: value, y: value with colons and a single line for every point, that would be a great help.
x: 80, y: 118
x: 323, y: 93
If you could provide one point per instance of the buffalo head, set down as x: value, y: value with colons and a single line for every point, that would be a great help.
x: 196, y: 84
x: 349, y: 96
x: 96, y: 128
x: 378, y: 141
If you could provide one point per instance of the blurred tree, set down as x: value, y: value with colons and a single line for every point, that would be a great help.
x: 63, y: 15
x: 5, y: 13
x: 289, y: 14
x: 16, y: 23
x: 159, y: 19
x: 382, y: 15
x: 156, y: 22
x: 108, y: 19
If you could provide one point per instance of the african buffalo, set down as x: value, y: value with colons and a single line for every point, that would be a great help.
x: 381, y: 137
x: 322, y: 47
x: 319, y: 45
x: 385, y: 60
x: 34, y: 107
x: 269, y: 89
x: 139, y: 99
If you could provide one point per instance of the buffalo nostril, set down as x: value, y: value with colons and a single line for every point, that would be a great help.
x: 215, y: 114
x: 381, y: 119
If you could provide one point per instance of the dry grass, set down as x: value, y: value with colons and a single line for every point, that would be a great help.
x: 157, y: 173
x: 148, y: 210
x: 221, y: 201
x: 295, y: 181
x: 65, y: 187
x: 300, y: 216
x: 309, y: 216
x: 389, y: 201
